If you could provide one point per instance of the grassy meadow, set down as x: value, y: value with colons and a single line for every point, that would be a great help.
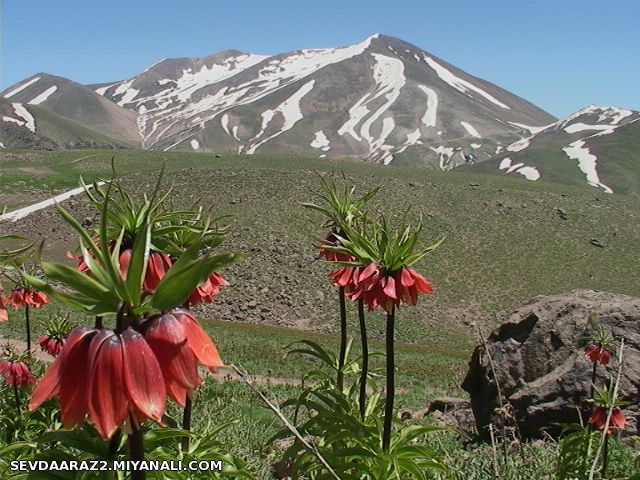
x: 507, y: 240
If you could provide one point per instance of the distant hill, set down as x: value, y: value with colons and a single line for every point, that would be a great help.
x: 35, y: 127
x: 597, y: 145
x: 382, y: 100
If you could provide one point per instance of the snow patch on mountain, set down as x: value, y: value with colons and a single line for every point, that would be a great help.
x: 470, y: 129
x: 460, y: 84
x: 13, y: 120
x: 388, y: 74
x: 23, y: 113
x: 224, y: 122
x: 22, y: 87
x: 446, y: 153
x: 528, y: 172
x: 519, y: 145
x: 586, y: 163
x: 532, y: 130
x: 191, y: 82
x: 44, y: 95
x: 289, y: 109
x: 320, y: 141
x: 195, y: 144
x: 580, y: 127
x: 429, y: 117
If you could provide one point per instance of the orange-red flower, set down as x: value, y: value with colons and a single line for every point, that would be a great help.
x: 20, y: 296
x: 330, y: 255
x: 345, y: 277
x: 206, y: 290
x: 51, y: 345
x: 598, y: 353
x: 16, y: 372
x: 380, y: 289
x: 180, y: 343
x: 105, y: 375
x: 4, y: 315
x: 157, y: 266
x: 599, y: 418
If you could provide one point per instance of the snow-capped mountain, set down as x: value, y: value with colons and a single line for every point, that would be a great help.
x: 383, y: 100
x: 598, y: 145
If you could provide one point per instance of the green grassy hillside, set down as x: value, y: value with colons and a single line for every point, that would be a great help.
x: 506, y: 239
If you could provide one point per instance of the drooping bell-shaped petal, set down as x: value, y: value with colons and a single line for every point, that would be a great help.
x: 123, y: 260
x: 51, y: 345
x: 17, y: 297
x: 157, y: 267
x: 142, y: 376
x: 49, y: 384
x: 16, y: 372
x: 599, y: 415
x: 76, y: 374
x: 167, y: 338
x: 108, y: 406
x: 598, y: 353
x: 4, y: 314
x: 207, y: 289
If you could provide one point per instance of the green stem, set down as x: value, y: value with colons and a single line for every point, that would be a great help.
x: 365, y: 359
x: 343, y: 338
x: 593, y: 380
x: 388, y: 407
x: 186, y: 422
x: 605, y: 456
x: 136, y: 448
x: 17, y: 395
x: 114, y: 442
x: 27, y: 321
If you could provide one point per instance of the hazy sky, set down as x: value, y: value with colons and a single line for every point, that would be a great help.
x: 559, y: 54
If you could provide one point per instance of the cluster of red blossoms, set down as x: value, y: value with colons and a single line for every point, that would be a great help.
x: 51, y: 345
x: 598, y: 418
x: 113, y: 377
x: 16, y: 373
x: 158, y: 265
x: 598, y: 353
x: 21, y: 296
x: 378, y: 288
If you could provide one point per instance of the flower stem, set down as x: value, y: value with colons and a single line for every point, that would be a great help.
x: 186, y: 421
x: 27, y: 321
x: 365, y: 359
x: 593, y: 380
x: 17, y: 395
x: 388, y: 407
x: 605, y: 456
x: 343, y: 338
x: 136, y: 448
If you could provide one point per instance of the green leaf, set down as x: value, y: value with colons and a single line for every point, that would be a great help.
x: 75, y: 279
x: 185, y: 275
x: 138, y: 264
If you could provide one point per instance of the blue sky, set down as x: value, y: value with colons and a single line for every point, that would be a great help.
x: 559, y: 54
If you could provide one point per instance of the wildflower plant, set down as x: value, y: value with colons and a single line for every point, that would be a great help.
x: 341, y: 208
x: 142, y: 346
x: 384, y: 277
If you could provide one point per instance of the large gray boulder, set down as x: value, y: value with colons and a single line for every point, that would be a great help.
x: 538, y: 356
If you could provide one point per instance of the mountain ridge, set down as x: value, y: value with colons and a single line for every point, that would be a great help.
x: 382, y: 100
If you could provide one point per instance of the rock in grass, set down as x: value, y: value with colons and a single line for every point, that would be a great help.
x: 540, y: 365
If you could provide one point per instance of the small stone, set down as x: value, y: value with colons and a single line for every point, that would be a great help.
x: 597, y: 243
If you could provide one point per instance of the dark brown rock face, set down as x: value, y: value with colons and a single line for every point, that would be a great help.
x: 538, y: 355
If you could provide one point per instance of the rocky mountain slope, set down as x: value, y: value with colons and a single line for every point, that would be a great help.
x: 382, y: 100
